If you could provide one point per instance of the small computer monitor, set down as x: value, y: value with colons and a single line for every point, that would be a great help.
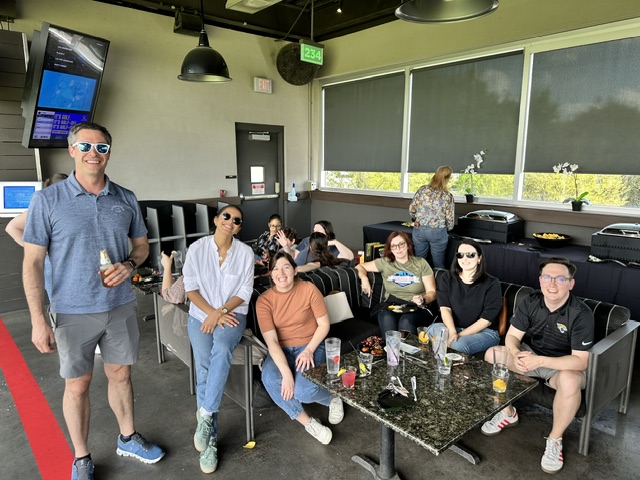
x: 16, y: 196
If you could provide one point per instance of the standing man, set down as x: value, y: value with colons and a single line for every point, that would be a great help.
x: 73, y: 220
x: 559, y: 328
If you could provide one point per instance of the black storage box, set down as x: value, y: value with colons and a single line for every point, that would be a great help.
x: 620, y: 241
x: 499, y: 227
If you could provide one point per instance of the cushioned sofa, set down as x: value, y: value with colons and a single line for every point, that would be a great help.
x: 610, y: 359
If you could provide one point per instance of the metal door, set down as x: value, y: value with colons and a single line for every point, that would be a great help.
x: 260, y: 160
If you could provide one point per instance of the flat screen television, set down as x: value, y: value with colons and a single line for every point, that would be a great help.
x: 16, y: 196
x: 62, y: 84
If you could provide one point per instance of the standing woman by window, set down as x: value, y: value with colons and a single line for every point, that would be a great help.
x: 406, y: 279
x: 432, y: 208
x: 470, y: 301
x: 218, y: 279
x: 293, y: 320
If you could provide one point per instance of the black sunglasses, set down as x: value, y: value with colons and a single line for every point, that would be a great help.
x: 236, y: 220
x: 466, y: 254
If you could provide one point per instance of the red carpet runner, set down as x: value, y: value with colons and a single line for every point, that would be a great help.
x: 49, y: 445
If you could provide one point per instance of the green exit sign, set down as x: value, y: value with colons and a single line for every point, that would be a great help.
x: 311, y: 52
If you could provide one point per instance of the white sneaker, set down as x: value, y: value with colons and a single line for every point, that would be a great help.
x: 318, y: 431
x: 499, y: 421
x: 336, y: 411
x: 552, y: 460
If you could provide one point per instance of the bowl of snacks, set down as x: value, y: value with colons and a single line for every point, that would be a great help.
x: 552, y: 240
x: 373, y: 345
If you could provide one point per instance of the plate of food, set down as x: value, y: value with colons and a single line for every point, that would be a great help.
x: 373, y: 345
x: 552, y: 240
x: 405, y: 308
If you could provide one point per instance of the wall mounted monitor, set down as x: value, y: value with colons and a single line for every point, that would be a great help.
x: 62, y: 84
x: 16, y: 196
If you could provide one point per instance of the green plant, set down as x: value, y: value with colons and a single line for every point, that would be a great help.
x: 570, y: 169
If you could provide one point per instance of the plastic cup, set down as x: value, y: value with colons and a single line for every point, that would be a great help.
x: 366, y: 363
x: 349, y: 377
x: 332, y: 349
x: 394, y: 338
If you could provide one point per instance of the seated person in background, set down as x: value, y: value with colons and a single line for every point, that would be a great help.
x: 559, y: 331
x: 470, y: 301
x: 294, y: 321
x: 267, y: 243
x: 316, y: 255
x: 407, y: 279
x: 172, y: 292
x: 338, y: 249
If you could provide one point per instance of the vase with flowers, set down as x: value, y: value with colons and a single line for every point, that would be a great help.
x: 567, y: 168
x: 472, y: 170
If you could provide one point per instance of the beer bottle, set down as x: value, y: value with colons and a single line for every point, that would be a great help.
x: 105, y: 264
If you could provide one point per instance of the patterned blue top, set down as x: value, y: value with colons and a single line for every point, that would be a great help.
x: 433, y: 208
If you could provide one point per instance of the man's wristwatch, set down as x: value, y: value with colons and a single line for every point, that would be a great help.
x: 224, y: 310
x: 132, y: 262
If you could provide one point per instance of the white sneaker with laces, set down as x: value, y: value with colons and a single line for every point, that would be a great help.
x: 499, y: 421
x: 318, y: 431
x: 336, y: 411
x: 552, y: 461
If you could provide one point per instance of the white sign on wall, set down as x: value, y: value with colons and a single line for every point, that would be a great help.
x: 257, y: 189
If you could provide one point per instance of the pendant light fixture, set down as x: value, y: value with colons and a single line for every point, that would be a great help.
x: 442, y: 11
x: 203, y: 63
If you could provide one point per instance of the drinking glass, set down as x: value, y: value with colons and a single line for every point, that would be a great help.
x: 394, y: 338
x: 423, y: 335
x: 440, y: 342
x: 366, y: 363
x: 500, y: 371
x: 349, y: 377
x: 332, y: 349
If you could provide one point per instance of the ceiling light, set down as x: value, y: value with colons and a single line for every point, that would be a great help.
x: 440, y: 11
x: 249, y: 6
x: 339, y: 7
x: 203, y: 63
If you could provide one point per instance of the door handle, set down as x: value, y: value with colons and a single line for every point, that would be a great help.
x: 258, y: 197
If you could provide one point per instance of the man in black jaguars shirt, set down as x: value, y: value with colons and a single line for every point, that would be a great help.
x: 558, y: 330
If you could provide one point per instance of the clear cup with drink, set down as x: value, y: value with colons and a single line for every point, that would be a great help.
x: 349, y: 377
x: 366, y: 363
x: 394, y: 338
x: 332, y: 349
x: 440, y: 342
x: 500, y: 371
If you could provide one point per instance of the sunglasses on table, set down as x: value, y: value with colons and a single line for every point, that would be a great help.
x: 85, y: 147
x: 466, y: 254
x: 236, y: 220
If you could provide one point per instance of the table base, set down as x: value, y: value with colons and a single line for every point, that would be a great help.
x: 372, y: 467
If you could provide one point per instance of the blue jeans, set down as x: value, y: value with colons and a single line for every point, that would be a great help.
x: 212, y: 355
x: 472, y: 344
x: 387, y: 320
x: 434, y: 238
x: 304, y: 391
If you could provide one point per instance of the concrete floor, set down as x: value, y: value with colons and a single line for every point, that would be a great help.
x: 165, y: 414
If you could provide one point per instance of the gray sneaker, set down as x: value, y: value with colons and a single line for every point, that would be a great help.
x: 320, y: 432
x: 82, y: 469
x: 209, y: 458
x: 203, y: 433
x: 336, y: 411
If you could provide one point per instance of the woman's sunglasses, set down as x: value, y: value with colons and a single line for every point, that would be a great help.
x: 466, y: 254
x: 236, y: 220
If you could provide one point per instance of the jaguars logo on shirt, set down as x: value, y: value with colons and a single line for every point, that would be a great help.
x: 403, y: 279
x: 562, y: 328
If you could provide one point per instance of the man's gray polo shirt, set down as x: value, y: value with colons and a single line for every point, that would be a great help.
x: 74, y: 225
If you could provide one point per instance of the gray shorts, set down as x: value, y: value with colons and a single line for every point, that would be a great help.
x: 546, y: 373
x: 77, y: 335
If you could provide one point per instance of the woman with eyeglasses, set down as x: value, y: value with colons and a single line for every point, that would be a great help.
x: 218, y: 279
x: 294, y: 321
x: 470, y: 301
x: 432, y: 208
x: 267, y: 244
x: 408, y: 281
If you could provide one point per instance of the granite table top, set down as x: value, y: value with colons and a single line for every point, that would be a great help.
x: 447, y: 407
